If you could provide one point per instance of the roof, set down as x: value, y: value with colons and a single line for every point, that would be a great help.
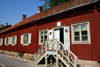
x: 59, y: 8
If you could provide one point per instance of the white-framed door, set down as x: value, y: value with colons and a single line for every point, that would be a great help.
x: 60, y: 35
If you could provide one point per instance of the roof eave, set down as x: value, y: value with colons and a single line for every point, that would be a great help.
x: 88, y: 3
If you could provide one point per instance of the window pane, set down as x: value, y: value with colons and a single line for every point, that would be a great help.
x: 76, y: 33
x: 76, y: 39
x: 26, y: 38
x: 41, y: 37
x: 41, y: 41
x: 84, y: 32
x: 45, y: 33
x: 13, y: 40
x: 7, y: 41
x: 0, y: 41
x: 45, y: 38
x: 41, y: 33
x: 84, y: 27
x: 84, y: 38
x: 76, y: 28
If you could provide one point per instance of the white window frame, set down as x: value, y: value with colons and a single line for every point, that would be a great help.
x: 29, y: 39
x: 12, y: 40
x: 43, y: 35
x: 8, y: 41
x: 88, y: 33
x: 1, y: 41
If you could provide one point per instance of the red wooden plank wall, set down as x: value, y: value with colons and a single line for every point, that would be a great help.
x: 83, y: 51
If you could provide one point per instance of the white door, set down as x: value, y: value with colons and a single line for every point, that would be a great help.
x: 50, y: 37
x: 56, y: 36
x: 67, y: 37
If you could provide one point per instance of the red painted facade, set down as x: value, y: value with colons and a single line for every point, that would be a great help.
x: 83, y: 51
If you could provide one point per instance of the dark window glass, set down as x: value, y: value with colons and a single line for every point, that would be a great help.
x: 76, y: 39
x: 13, y: 40
x: 41, y: 41
x: 84, y: 32
x: 84, y: 38
x: 6, y: 40
x: 76, y: 33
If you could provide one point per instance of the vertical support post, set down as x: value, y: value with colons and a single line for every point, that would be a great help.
x: 42, y: 48
x: 46, y: 61
x: 35, y: 57
x: 57, y: 53
x: 50, y: 60
x: 75, y: 62
x: 68, y: 56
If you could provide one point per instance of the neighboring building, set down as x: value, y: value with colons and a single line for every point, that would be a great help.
x: 2, y: 27
x: 75, y: 23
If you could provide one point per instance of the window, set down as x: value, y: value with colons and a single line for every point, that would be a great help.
x: 1, y: 41
x: 7, y: 40
x: 42, y: 36
x: 81, y: 33
x: 14, y: 40
x: 26, y: 39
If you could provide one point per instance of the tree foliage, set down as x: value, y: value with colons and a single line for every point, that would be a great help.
x: 51, y: 3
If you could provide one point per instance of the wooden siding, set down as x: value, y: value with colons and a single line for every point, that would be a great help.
x: 83, y: 51
x: 10, y: 47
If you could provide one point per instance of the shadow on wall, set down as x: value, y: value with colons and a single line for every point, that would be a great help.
x: 21, y: 54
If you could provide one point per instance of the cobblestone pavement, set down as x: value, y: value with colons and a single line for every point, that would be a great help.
x: 19, y: 62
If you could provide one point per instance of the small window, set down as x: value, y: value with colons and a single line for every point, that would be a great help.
x: 26, y: 39
x: 7, y: 40
x: 42, y: 36
x: 80, y: 33
x: 1, y: 41
x: 14, y: 40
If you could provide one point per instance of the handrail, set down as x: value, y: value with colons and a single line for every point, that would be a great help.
x: 68, y: 49
x: 69, y: 55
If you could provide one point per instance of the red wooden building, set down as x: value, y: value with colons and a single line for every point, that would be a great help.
x: 75, y: 23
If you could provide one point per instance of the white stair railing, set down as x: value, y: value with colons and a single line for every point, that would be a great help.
x: 70, y: 57
x: 65, y: 55
x: 40, y: 52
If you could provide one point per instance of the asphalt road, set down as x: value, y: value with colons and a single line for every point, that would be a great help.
x: 12, y: 61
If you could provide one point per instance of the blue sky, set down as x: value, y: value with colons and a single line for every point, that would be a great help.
x: 11, y: 11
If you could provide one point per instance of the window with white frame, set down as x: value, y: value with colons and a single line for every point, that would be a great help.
x: 80, y: 33
x: 7, y: 40
x: 26, y: 39
x: 13, y: 40
x: 1, y: 41
x: 42, y: 36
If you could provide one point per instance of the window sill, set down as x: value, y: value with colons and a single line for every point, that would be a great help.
x: 25, y: 44
x: 7, y: 44
x: 81, y: 43
x: 12, y: 44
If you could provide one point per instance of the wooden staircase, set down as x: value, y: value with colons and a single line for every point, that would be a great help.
x: 58, y: 51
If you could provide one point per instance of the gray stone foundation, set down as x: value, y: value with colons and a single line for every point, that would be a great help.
x: 18, y: 54
x: 87, y: 63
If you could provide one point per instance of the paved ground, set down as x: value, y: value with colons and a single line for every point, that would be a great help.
x: 17, y: 62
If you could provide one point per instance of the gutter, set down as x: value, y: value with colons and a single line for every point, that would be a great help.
x: 68, y: 9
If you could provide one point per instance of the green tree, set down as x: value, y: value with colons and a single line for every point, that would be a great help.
x: 51, y: 3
